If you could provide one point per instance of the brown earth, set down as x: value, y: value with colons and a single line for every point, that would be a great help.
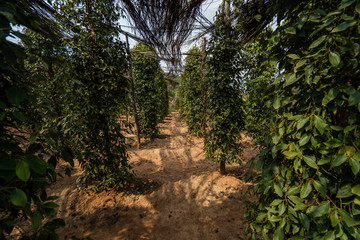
x: 179, y: 195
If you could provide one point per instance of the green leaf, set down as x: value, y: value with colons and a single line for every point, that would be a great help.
x: 279, y: 234
x: 33, y: 138
x: 293, y: 190
x: 304, y: 139
x: 320, y: 210
x: 311, y: 161
x: 18, y: 198
x: 334, y: 58
x: 357, y: 8
x: 334, y: 143
x: 274, y: 218
x: 37, y: 165
x: 50, y: 205
x: 317, y: 42
x: 355, y: 166
x: 257, y: 17
x: 308, y: 73
x: 343, y: 26
x: 330, y: 235
x: 331, y: 95
x: 339, y: 159
x: 293, y: 56
x: 300, y: 206
x: 323, y: 161
x: 305, y: 221
x: 356, y: 190
x: 290, y: 30
x: 354, y: 98
x: 276, y: 139
x: 346, y: 3
x: 320, y: 188
x: 23, y: 170
x: 344, y: 192
x: 278, y: 190
x: 300, y: 63
x: 320, y: 124
x: 336, y: 128
x: 261, y: 216
x: 302, y: 122
x: 290, y: 79
x: 36, y: 219
x: 277, y: 103
x: 290, y: 154
x: 18, y: 115
x: 295, y: 199
x: 349, y: 220
x: 334, y: 219
x: 305, y: 190
x: 15, y: 95
x: 349, y: 128
x: 355, y: 209
x: 276, y: 202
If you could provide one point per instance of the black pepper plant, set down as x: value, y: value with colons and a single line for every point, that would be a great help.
x: 309, y: 186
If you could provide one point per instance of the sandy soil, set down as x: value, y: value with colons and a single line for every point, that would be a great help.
x: 179, y: 195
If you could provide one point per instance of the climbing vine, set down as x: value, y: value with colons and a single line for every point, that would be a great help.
x: 191, y: 87
x: 147, y: 75
x: 255, y: 77
x: 225, y: 105
x: 27, y: 167
x: 97, y: 71
x: 309, y: 186
x: 162, y: 95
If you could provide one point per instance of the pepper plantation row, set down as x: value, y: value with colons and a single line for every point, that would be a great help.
x: 287, y: 73
x: 284, y: 72
x: 63, y: 90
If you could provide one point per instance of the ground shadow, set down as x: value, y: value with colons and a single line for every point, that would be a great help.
x: 177, y: 194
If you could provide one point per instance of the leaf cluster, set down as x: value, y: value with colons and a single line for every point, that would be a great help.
x: 150, y: 90
x: 191, y: 91
x: 310, y: 165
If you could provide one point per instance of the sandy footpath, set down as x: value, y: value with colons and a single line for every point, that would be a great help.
x: 179, y: 195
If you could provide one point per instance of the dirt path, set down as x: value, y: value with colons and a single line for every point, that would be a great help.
x: 182, y: 196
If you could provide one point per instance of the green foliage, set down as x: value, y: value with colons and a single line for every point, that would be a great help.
x: 25, y: 174
x: 255, y: 79
x: 95, y: 72
x: 191, y: 90
x: 308, y: 188
x: 149, y: 85
x: 225, y: 105
x: 162, y: 95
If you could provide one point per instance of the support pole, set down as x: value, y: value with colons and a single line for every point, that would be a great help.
x: 204, y: 88
x: 133, y: 95
x: 227, y: 29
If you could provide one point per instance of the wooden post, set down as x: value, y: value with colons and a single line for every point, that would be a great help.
x: 204, y: 88
x: 126, y: 113
x: 133, y: 95
x: 227, y: 11
x: 227, y: 29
